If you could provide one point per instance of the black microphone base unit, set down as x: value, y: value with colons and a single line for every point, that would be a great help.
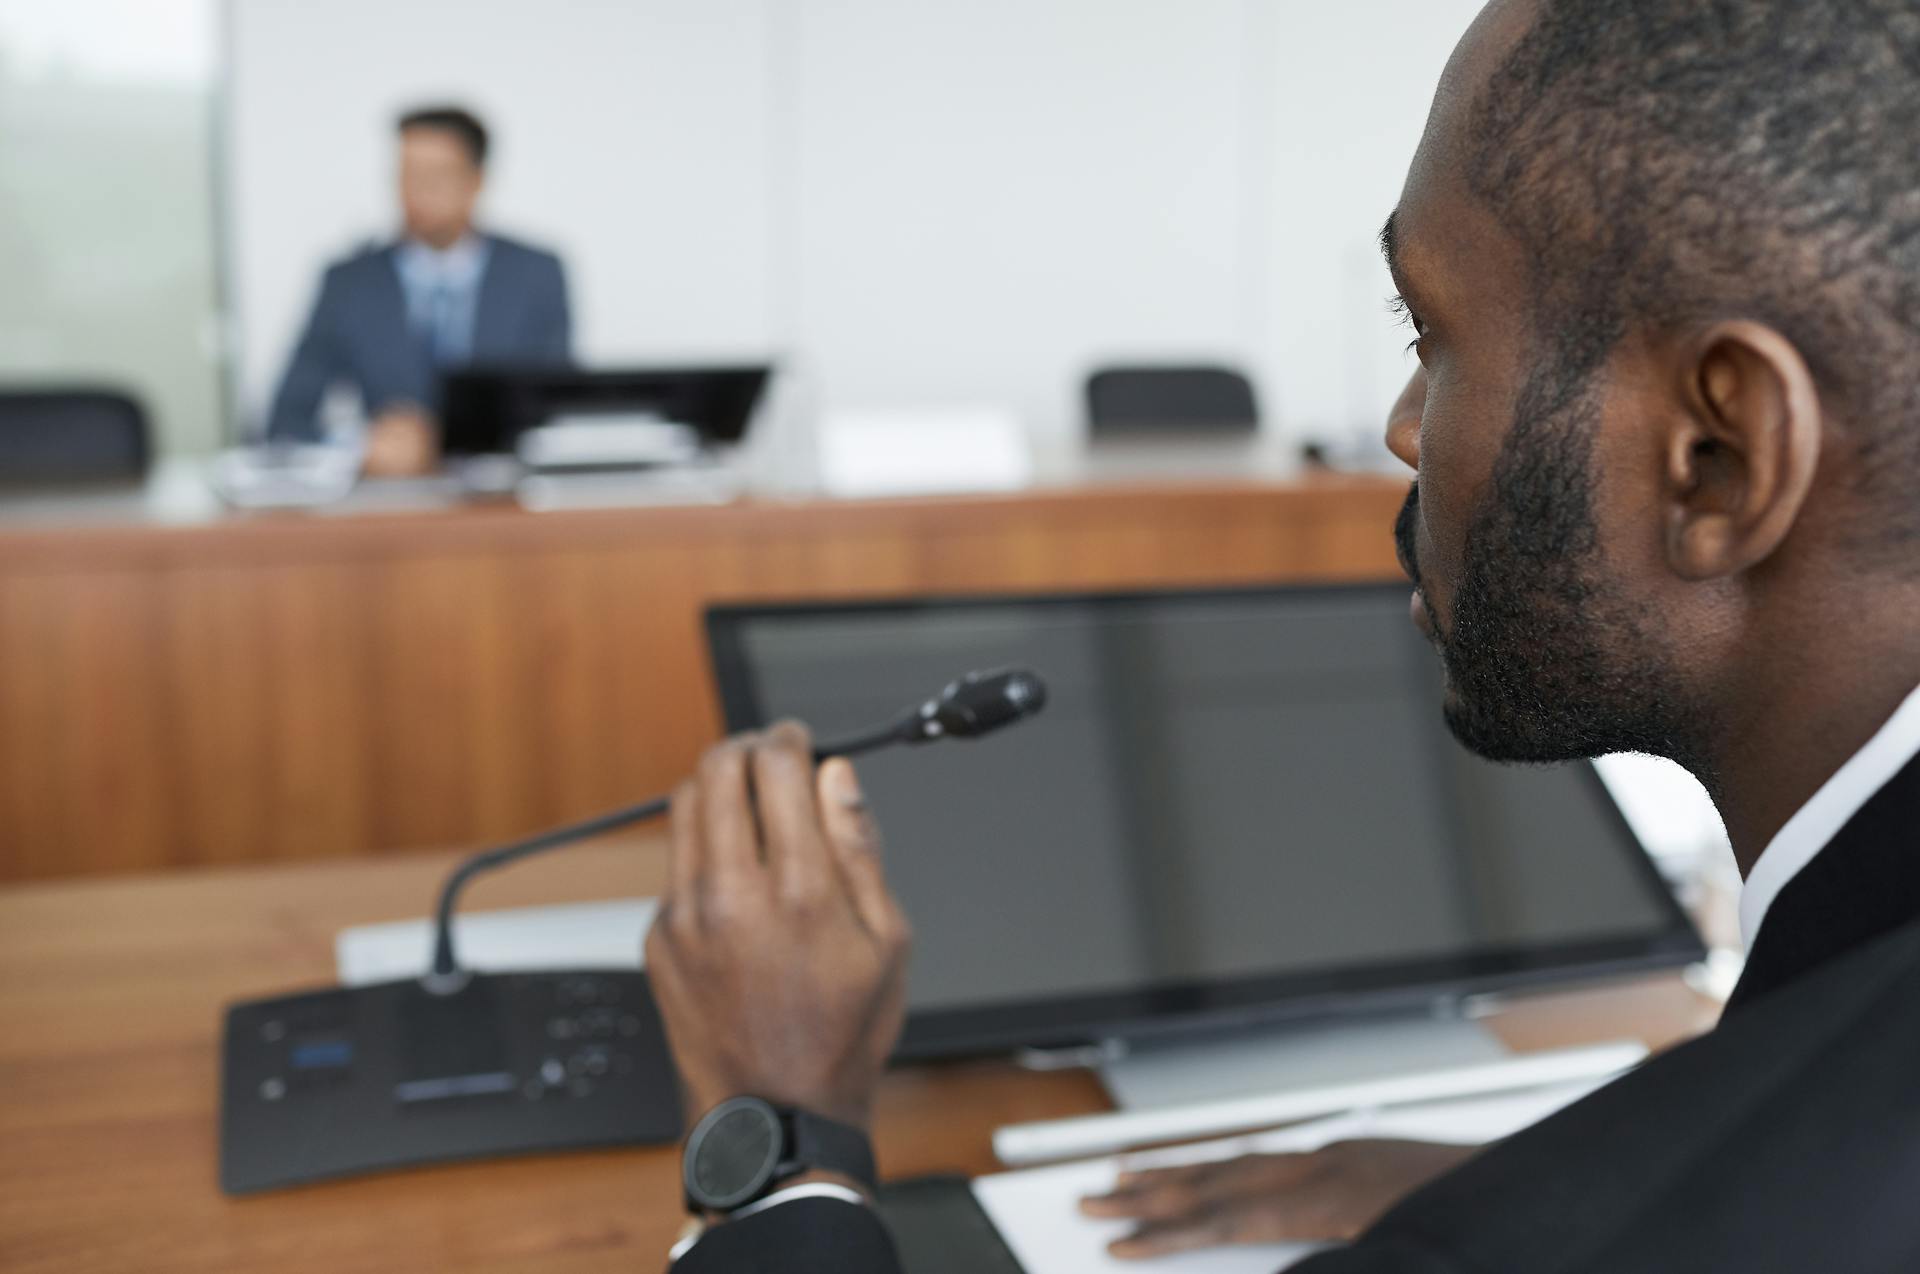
x: 346, y: 1080
x: 349, y: 1080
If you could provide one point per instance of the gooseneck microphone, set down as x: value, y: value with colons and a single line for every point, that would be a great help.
x: 977, y: 704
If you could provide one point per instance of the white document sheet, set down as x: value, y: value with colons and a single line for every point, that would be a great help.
x: 574, y: 935
x: 1037, y: 1210
x: 923, y: 451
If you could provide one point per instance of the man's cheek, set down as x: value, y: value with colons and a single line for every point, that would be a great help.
x: 1453, y: 466
x: 1440, y: 537
x: 1436, y: 582
x: 1436, y: 546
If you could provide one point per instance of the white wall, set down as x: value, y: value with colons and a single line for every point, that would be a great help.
x: 912, y: 201
x: 1347, y: 88
x: 989, y: 196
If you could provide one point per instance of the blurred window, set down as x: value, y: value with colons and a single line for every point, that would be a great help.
x: 106, y: 205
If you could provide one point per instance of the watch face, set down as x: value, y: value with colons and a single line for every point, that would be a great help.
x: 733, y: 1153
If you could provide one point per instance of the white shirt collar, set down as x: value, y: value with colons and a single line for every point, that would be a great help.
x: 1821, y: 818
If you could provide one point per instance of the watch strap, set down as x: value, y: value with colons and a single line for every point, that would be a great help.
x: 816, y: 1143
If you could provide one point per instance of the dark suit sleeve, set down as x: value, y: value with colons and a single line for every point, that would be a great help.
x: 806, y: 1236
x: 1376, y: 1256
x: 555, y: 323
x: 314, y: 366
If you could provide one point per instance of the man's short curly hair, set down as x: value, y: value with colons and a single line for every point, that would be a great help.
x: 1666, y: 162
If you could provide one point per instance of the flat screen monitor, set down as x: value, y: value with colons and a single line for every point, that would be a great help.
x: 1237, y: 806
x: 485, y: 410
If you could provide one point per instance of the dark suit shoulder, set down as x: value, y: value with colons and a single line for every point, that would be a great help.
x: 1771, y: 1143
x: 521, y: 253
x: 1381, y: 1256
x: 372, y: 262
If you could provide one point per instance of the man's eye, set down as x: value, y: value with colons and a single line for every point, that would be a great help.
x: 1403, y: 314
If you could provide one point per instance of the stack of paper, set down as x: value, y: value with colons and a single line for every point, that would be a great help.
x: 572, y: 935
x: 1037, y: 1210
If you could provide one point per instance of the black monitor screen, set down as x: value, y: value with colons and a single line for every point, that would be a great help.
x: 1234, y: 804
x: 486, y: 409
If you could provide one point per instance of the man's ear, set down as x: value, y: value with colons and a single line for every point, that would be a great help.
x: 1742, y: 455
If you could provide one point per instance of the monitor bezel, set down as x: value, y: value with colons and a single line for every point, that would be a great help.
x: 1208, y: 1004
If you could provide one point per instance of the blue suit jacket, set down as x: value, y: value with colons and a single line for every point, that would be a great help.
x: 358, y: 333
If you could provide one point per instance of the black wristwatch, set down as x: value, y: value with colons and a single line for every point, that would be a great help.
x: 742, y: 1148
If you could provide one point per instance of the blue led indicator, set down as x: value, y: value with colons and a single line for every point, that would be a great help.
x: 321, y: 1055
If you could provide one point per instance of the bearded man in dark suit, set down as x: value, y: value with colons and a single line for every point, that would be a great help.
x: 1662, y: 263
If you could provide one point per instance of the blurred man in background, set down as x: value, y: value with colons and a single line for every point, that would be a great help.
x: 391, y: 320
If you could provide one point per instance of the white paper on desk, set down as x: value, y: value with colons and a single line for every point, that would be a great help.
x: 574, y: 935
x: 1036, y: 1210
x: 923, y: 451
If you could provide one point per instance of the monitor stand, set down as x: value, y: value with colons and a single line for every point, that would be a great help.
x: 1253, y: 1061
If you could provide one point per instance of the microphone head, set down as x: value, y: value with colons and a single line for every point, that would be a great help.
x: 980, y: 703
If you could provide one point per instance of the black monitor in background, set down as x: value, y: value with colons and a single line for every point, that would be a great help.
x: 485, y: 410
x: 1237, y: 806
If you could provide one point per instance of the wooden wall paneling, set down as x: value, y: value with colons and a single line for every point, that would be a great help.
x: 29, y: 704
x: 87, y: 758
x: 504, y: 690
x: 580, y: 721
x: 319, y: 709
x: 659, y: 683
x: 427, y: 661
x: 281, y: 688
x: 218, y: 674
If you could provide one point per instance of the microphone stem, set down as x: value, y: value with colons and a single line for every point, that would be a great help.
x: 446, y: 967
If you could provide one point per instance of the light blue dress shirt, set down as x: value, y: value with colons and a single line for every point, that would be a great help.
x: 442, y: 287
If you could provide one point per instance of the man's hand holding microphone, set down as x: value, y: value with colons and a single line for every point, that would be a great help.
x: 779, y: 959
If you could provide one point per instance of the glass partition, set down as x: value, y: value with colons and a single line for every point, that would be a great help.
x: 107, y: 221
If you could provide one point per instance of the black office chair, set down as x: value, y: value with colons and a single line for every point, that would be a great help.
x: 1171, y: 399
x: 60, y: 436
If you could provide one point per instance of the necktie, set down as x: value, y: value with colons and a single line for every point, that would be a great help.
x: 443, y: 343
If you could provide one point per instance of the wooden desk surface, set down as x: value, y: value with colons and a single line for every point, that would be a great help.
x: 111, y: 995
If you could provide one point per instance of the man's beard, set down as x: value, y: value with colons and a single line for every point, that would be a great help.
x: 1547, y: 660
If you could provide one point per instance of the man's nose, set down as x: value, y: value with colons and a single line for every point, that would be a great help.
x: 1403, y: 421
